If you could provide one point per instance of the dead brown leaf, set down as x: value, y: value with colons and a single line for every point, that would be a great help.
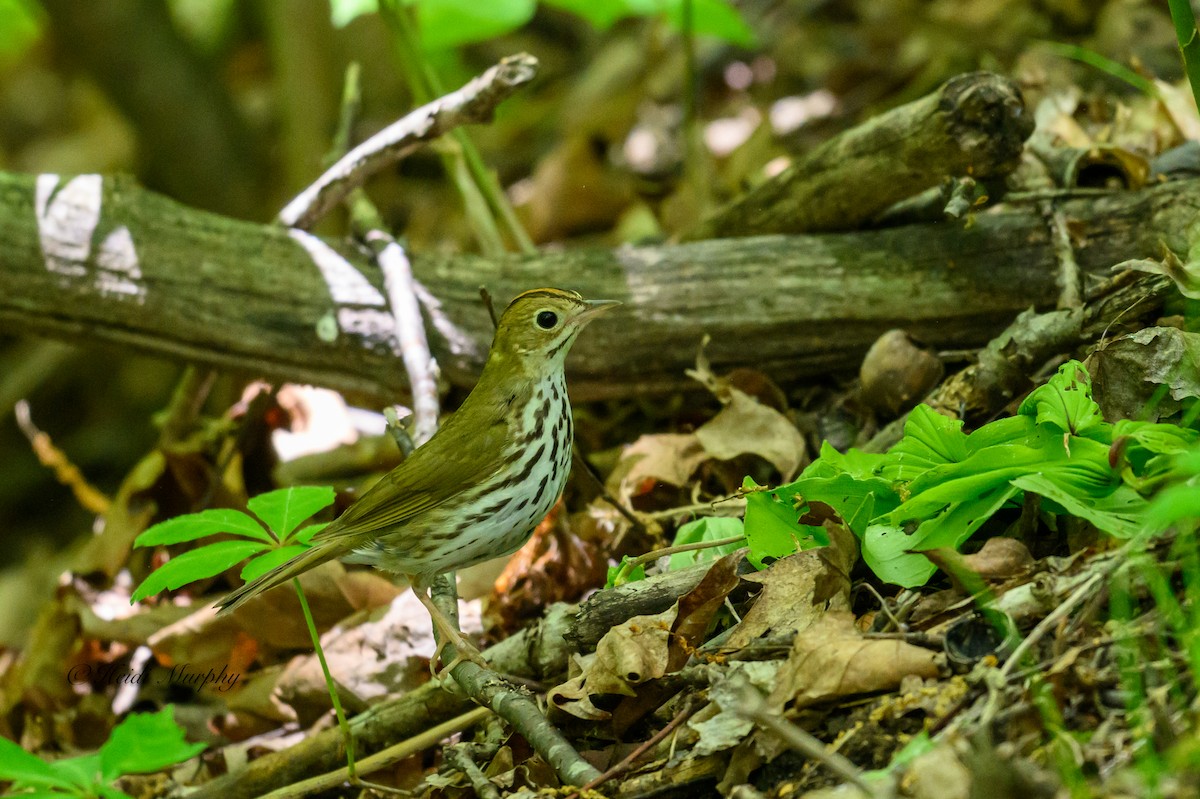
x: 745, y: 427
x: 799, y: 589
x: 831, y: 660
x: 667, y: 457
x: 999, y: 559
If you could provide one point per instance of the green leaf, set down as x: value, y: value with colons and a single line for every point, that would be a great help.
x: 1065, y: 402
x: 1181, y: 501
x: 712, y: 18
x: 82, y: 771
x: 17, y: 764
x: 21, y: 23
x: 621, y: 573
x: 854, y: 463
x: 1121, y: 513
x: 307, y: 532
x: 886, y: 546
x: 450, y: 23
x: 343, y: 12
x: 199, y: 525
x: 284, y: 508
x: 773, y: 528
x: 709, y: 528
x: 198, y: 564
x: 1151, y: 450
x: 267, y: 561
x: 145, y: 742
x: 930, y: 440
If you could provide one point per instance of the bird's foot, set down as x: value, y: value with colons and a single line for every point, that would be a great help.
x: 463, y: 652
x: 383, y: 790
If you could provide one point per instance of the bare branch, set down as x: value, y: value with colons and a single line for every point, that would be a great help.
x: 473, y: 103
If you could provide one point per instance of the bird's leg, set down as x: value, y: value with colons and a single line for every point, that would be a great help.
x: 447, y: 634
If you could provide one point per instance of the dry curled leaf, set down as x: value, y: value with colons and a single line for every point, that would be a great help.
x: 645, y: 648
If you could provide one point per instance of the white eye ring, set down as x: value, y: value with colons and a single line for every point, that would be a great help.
x: 547, y: 320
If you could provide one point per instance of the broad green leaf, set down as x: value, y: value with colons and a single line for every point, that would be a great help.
x: 450, y: 23
x: 202, y: 524
x: 1013, y: 430
x: 886, y: 546
x: 1065, y: 402
x: 1122, y: 513
x: 343, y: 12
x: 283, y: 509
x: 269, y: 560
x: 17, y: 764
x: 709, y: 528
x: 145, y: 742
x: 930, y: 440
x: 198, y: 564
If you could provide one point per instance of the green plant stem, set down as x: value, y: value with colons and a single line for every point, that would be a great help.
x: 343, y: 725
x: 1106, y: 65
x: 690, y: 81
x: 654, y: 554
x: 1189, y: 42
x: 1131, y: 677
x: 482, y: 195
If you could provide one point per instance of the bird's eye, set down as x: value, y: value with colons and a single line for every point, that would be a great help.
x: 547, y: 320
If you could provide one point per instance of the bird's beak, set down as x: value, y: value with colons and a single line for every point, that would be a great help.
x: 596, y: 307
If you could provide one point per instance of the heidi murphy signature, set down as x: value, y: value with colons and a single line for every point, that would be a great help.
x: 182, y: 674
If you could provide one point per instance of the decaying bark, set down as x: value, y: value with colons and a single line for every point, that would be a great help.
x: 106, y: 262
x: 973, y: 125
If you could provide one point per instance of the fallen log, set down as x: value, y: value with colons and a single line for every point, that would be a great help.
x: 974, y: 125
x: 103, y: 261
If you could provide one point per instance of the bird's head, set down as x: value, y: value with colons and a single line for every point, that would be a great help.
x: 543, y: 323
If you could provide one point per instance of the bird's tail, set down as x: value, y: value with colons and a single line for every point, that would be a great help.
x: 314, y: 556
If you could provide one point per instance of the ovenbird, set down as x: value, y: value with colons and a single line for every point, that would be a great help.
x: 479, y: 486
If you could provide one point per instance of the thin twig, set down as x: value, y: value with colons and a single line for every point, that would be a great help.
x: 381, y: 760
x: 653, y: 741
x: 473, y: 103
x: 655, y: 554
x: 486, y: 297
x: 410, y: 334
x: 738, y: 504
x: 755, y: 708
x: 88, y: 496
x: 1046, y: 624
x: 586, y: 468
x: 521, y: 711
x: 1069, y: 287
x: 459, y: 758
x: 996, y: 680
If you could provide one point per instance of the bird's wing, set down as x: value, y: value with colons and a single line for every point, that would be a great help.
x: 431, y: 475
